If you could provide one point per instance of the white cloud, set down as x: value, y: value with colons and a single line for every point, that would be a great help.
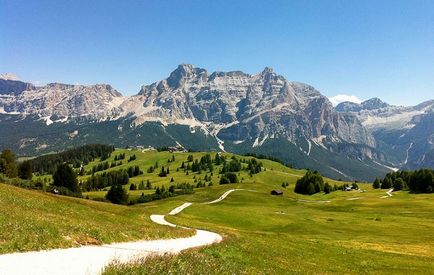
x: 335, y: 100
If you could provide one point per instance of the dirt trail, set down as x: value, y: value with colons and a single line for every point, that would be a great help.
x: 92, y: 259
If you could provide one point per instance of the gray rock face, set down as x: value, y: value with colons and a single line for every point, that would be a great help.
x: 370, y: 104
x: 233, y: 106
x: 405, y: 134
x: 14, y: 87
x: 235, y: 111
x: 237, y: 106
x: 61, y: 100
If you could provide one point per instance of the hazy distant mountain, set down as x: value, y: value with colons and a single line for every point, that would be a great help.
x: 59, y: 101
x: 404, y: 134
x: 371, y: 104
x: 233, y: 111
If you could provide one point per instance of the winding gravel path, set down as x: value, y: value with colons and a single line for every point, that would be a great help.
x: 222, y: 197
x: 92, y: 259
x: 389, y: 194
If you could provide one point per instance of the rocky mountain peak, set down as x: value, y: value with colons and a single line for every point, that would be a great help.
x: 367, y: 105
x: 184, y: 73
x: 267, y: 70
x: 373, y: 103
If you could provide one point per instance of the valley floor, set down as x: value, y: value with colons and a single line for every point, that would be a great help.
x: 342, y: 232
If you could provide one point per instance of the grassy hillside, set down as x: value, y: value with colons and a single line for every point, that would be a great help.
x: 275, y: 172
x: 341, y: 232
x: 32, y: 220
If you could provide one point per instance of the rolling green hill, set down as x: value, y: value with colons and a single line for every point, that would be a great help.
x: 341, y: 232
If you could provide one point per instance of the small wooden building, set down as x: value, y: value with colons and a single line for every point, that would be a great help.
x: 277, y: 192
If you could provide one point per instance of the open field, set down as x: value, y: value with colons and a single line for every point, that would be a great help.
x: 267, y: 234
x: 341, y: 232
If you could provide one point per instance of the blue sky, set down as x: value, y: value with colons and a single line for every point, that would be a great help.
x: 360, y: 48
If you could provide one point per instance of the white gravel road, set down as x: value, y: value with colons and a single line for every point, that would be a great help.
x: 92, y: 259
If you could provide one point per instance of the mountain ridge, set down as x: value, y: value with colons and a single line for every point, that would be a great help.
x: 232, y: 111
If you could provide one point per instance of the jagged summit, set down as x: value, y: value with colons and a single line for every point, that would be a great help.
x: 267, y: 70
x: 370, y: 104
x: 373, y: 103
x: 243, y: 106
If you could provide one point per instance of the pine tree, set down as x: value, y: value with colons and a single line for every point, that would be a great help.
x: 66, y: 177
x: 25, y: 170
x: 142, y: 186
x: 327, y: 188
x: 117, y: 194
x: 376, y: 184
x: 8, y: 164
x: 310, y: 188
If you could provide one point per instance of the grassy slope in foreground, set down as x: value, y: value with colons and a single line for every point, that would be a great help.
x: 32, y: 220
x: 265, y: 234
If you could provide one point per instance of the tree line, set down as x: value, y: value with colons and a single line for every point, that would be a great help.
x: 105, y: 179
x: 12, y: 169
x: 418, y: 181
x: 312, y: 183
x: 82, y: 155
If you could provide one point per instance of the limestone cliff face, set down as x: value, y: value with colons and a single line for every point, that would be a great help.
x: 60, y: 100
x: 242, y: 106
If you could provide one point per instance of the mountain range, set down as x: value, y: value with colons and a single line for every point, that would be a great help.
x: 222, y: 111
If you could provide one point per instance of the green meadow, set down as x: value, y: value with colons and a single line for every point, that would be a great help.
x: 348, y: 232
x: 35, y: 220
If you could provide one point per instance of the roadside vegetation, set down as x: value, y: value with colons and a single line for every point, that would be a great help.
x: 188, y: 262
